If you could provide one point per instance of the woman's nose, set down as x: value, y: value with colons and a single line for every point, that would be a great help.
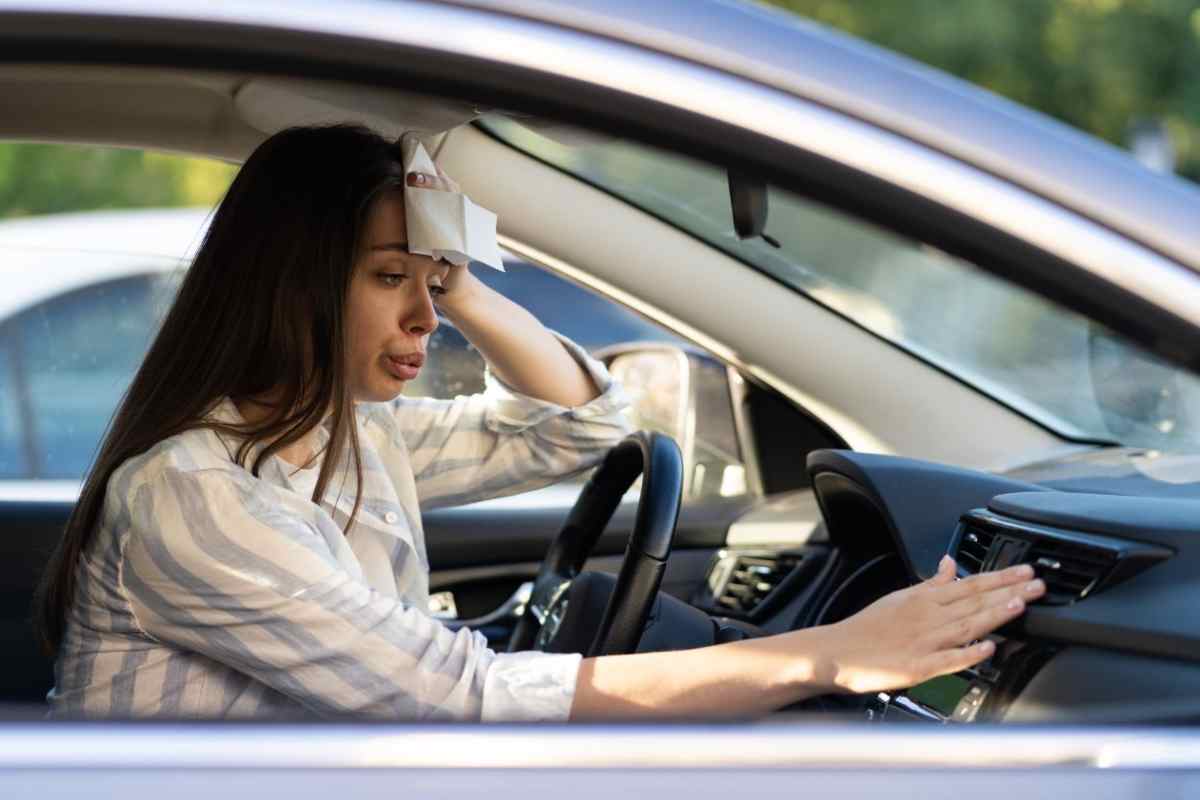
x: 421, y: 317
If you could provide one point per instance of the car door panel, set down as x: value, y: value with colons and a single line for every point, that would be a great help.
x: 482, y: 553
x: 30, y: 531
x: 484, y: 534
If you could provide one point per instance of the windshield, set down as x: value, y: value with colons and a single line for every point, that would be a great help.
x: 1057, y: 367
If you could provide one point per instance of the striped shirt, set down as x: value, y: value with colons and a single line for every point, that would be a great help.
x: 208, y: 592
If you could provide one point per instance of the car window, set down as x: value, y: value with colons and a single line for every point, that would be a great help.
x: 587, y: 318
x: 92, y: 241
x: 595, y: 322
x: 13, y: 463
x: 67, y: 358
x: 77, y: 353
x: 78, y: 323
x: 1051, y: 364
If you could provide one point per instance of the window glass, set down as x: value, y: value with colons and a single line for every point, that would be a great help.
x: 687, y: 400
x: 1051, y: 364
x: 91, y: 242
x: 12, y: 455
x: 455, y: 368
x: 81, y: 317
x: 80, y: 350
x: 717, y: 466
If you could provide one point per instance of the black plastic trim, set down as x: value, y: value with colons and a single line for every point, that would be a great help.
x: 875, y: 504
x: 1128, y: 557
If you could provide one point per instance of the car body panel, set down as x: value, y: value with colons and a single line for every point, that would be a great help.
x: 886, y: 89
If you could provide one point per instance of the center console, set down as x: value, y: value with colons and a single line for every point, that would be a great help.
x: 983, y: 692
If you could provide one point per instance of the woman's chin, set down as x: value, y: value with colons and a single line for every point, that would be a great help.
x: 381, y: 393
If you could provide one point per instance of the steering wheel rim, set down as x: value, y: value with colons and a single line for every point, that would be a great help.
x: 657, y: 459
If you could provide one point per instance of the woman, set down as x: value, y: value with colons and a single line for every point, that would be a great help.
x: 249, y: 540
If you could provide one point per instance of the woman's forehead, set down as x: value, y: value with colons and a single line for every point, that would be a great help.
x: 385, y: 221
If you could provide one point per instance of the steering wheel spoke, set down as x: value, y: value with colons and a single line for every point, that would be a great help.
x: 546, y: 592
x: 657, y: 459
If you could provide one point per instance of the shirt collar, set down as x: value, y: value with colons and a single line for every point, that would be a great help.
x: 377, y: 485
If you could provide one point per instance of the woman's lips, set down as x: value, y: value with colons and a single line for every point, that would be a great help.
x: 404, y: 368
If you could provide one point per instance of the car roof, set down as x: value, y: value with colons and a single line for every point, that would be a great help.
x: 115, y: 244
x: 765, y: 45
x: 953, y: 116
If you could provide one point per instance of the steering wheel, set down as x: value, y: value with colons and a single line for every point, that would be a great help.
x: 593, y: 626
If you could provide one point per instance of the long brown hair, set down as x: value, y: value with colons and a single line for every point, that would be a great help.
x: 260, y: 311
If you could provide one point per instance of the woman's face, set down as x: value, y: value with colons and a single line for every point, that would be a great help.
x: 389, y: 309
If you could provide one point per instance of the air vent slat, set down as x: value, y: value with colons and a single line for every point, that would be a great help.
x: 973, y: 549
x: 752, y: 578
x: 1073, y: 569
x: 1094, y: 560
x: 969, y: 561
x: 1070, y: 570
x: 1068, y: 583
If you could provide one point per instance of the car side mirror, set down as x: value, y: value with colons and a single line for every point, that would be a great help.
x: 688, y: 396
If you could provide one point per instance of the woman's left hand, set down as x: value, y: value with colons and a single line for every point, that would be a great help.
x: 440, y: 182
x: 458, y: 277
x: 518, y: 349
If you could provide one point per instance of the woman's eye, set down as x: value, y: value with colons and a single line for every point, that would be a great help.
x: 392, y: 278
x: 437, y: 291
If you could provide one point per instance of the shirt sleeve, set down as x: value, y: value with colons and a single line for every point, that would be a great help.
x: 503, y: 442
x: 210, y: 567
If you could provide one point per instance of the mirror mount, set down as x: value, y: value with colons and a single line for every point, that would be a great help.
x: 748, y: 200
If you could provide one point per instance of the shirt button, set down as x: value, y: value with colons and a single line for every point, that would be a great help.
x: 390, y: 517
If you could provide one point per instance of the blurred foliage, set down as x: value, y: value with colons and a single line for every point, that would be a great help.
x: 1099, y: 65
x: 49, y: 178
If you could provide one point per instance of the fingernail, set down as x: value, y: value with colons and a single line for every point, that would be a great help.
x: 987, y: 646
x: 1033, y: 587
x: 1015, y: 604
x: 944, y: 562
x: 1025, y: 570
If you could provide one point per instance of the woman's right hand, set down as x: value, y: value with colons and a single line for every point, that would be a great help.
x: 898, y: 641
x: 926, y: 630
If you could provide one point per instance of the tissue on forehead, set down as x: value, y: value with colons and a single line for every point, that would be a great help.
x: 443, y: 224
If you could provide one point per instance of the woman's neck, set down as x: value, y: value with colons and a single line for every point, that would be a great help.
x: 300, y: 452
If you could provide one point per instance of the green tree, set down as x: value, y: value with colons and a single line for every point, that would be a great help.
x: 1099, y: 65
x: 48, y: 178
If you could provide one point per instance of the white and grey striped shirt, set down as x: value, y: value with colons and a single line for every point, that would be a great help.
x: 207, y: 592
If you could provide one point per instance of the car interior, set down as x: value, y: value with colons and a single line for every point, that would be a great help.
x: 860, y: 461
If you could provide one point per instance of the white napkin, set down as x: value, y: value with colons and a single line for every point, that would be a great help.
x: 445, y: 224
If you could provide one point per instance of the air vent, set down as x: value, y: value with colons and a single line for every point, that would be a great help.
x: 1070, y: 570
x: 1073, y: 564
x: 738, y: 583
x: 973, y: 548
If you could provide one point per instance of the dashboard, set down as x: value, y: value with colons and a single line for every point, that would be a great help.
x: 1115, y: 639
